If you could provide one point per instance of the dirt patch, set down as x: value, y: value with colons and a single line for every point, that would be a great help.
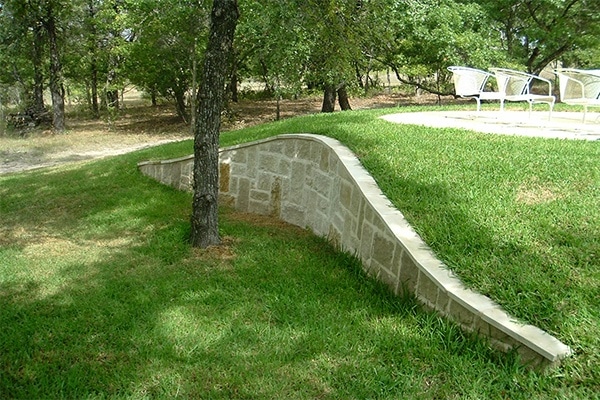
x: 143, y: 126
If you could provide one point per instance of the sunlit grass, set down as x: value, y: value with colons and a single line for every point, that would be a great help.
x: 515, y: 217
x: 102, y: 296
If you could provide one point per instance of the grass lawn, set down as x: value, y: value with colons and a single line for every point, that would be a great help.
x: 101, y: 296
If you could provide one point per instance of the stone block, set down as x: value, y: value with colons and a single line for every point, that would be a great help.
x: 233, y: 185
x: 383, y: 249
x: 461, y: 314
x: 427, y: 291
x: 316, y: 151
x: 224, y: 177
x: 268, y: 162
x: 293, y: 215
x: 324, y: 160
x: 297, y: 175
x: 319, y: 182
x: 237, y: 156
x: 227, y: 200
x: 259, y: 207
x: 264, y: 181
x: 345, y: 195
x: 334, y: 162
x: 366, y: 242
x: 237, y: 169
x: 443, y: 302
x: 275, y: 146
x: 303, y: 149
x: 323, y: 205
x: 387, y: 277
x: 409, y: 272
x: 275, y: 197
x: 396, y: 260
x: 250, y: 167
x: 289, y: 149
x: 243, y: 196
x: 285, y: 165
x: 360, y: 215
x: 334, y: 236
x: 259, y: 195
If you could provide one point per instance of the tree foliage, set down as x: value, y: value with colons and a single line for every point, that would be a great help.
x: 165, y: 41
x: 535, y: 33
x: 95, y: 48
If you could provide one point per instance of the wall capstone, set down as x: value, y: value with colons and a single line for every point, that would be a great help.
x: 315, y: 182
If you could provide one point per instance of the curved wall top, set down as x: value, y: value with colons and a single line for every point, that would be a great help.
x: 316, y: 182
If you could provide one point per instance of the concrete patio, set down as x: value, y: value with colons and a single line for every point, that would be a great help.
x: 562, y: 125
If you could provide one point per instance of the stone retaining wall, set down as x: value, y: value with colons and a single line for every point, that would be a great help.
x: 317, y: 183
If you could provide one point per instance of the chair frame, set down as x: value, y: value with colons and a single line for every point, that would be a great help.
x: 470, y: 83
x: 579, y: 87
x: 516, y: 86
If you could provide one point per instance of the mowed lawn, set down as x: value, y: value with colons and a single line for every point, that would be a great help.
x: 102, y: 297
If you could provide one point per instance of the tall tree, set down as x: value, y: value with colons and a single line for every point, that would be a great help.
x: 217, y: 62
x: 57, y: 89
x: 423, y: 38
x: 23, y: 51
x: 166, y: 36
x: 335, y: 46
x: 91, y: 23
x: 272, y: 45
x: 537, y: 32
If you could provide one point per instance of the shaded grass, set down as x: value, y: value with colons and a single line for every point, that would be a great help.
x: 515, y: 217
x: 102, y: 297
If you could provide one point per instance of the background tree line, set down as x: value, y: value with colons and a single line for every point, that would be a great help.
x: 92, y: 50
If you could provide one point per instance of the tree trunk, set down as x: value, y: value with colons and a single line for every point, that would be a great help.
x: 193, y: 108
x: 219, y: 51
x: 94, y: 88
x: 343, y: 98
x: 179, y: 95
x: 112, y: 98
x: 232, y: 88
x: 38, y: 76
x: 328, y: 98
x: 94, y: 60
x: 57, y: 89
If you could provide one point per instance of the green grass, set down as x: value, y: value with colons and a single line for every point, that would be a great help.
x: 517, y: 218
x: 101, y: 296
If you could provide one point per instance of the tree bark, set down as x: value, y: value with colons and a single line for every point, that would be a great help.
x: 329, y: 94
x: 343, y: 98
x: 232, y: 88
x: 219, y: 51
x: 57, y: 89
x: 38, y: 76
x: 93, y: 61
x: 179, y: 95
x: 193, y: 98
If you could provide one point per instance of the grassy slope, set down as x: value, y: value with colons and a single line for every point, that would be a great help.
x: 101, y: 297
x: 517, y: 218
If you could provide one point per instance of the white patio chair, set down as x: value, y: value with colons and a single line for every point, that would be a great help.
x: 517, y: 86
x: 470, y: 83
x: 579, y: 87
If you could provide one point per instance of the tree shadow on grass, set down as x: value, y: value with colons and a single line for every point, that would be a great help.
x: 123, y: 307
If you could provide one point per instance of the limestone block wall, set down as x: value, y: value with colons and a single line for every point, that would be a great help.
x: 317, y: 183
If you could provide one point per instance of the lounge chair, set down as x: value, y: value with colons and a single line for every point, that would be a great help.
x: 517, y: 86
x: 471, y: 83
x: 579, y: 87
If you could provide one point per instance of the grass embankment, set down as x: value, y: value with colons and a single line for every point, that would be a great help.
x: 102, y: 297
